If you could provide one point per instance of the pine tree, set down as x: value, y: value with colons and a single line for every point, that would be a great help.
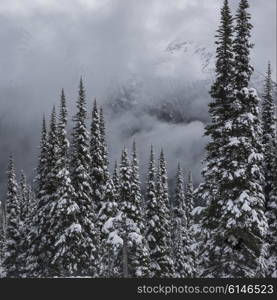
x: 183, y: 239
x: 24, y: 197
x: 65, y: 228
x: 269, y: 142
x: 104, y: 143
x: 192, y: 250
x: 80, y: 175
x: 12, y: 249
x: 132, y: 255
x: 32, y: 254
x: 108, y: 214
x: 189, y: 198
x: 98, y: 168
x: 42, y: 247
x: 115, y: 178
x: 178, y: 219
x: 219, y: 108
x: 158, y: 232
x: 151, y: 213
x: 26, y: 202
x: 236, y: 214
x: 40, y: 171
x: 141, y: 259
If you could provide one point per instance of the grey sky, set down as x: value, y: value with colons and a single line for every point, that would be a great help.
x: 48, y: 44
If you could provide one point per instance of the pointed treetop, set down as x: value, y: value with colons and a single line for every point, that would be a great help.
x: 134, y: 151
x: 11, y: 163
x: 44, y: 130
x: 63, y: 109
x: 53, y: 120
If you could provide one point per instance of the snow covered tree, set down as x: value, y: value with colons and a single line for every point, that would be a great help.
x: 183, y: 240
x: 98, y: 167
x: 65, y: 227
x: 80, y: 176
x: 116, y: 183
x: 236, y: 215
x: 157, y: 214
x: 24, y: 197
x: 42, y: 245
x: 269, y: 134
x: 178, y: 219
x: 107, y: 217
x: 12, y: 250
x: 104, y: 143
x: 40, y: 171
x: 141, y: 259
x: 32, y: 254
x: 189, y: 199
x: 219, y: 109
x: 133, y: 250
x: 270, y: 163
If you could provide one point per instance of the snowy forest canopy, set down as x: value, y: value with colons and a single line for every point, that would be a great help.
x: 85, y: 217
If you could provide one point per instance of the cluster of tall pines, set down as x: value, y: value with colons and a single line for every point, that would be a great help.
x: 83, y: 220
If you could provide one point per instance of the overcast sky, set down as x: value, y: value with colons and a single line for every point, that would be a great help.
x: 48, y: 44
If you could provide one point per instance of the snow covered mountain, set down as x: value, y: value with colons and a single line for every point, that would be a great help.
x: 177, y: 90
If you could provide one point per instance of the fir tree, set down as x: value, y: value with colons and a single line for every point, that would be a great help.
x: 42, y: 246
x: 24, y: 197
x: 183, y: 239
x: 189, y: 199
x: 141, y: 260
x: 65, y: 227
x: 158, y: 231
x: 108, y: 214
x: 178, y: 219
x: 32, y: 255
x: 98, y: 167
x: 12, y: 249
x: 80, y: 175
x: 115, y: 178
x: 237, y: 219
x: 219, y: 108
x: 270, y: 163
x: 104, y: 143
x: 40, y: 171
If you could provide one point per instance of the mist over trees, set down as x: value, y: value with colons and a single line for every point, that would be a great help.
x: 87, y: 216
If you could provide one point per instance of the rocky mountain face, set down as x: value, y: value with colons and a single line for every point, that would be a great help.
x: 173, y: 94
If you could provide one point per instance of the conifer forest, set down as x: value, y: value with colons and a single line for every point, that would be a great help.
x: 85, y: 214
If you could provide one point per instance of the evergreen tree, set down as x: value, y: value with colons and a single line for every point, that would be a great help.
x: 108, y: 214
x: 158, y: 233
x: 183, y: 239
x: 12, y: 249
x: 270, y: 163
x: 237, y: 219
x: 40, y: 171
x: 26, y: 203
x: 104, y: 143
x: 115, y: 178
x: 80, y: 175
x: 178, y: 219
x: 32, y: 255
x: 151, y: 213
x: 189, y: 199
x: 127, y: 236
x: 43, y: 244
x: 24, y: 198
x: 65, y: 227
x: 219, y: 108
x: 141, y: 259
x: 98, y: 168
